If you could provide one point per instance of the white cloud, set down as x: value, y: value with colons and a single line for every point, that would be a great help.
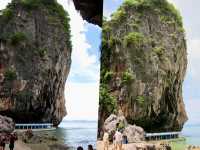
x: 4, y: 3
x: 82, y: 101
x: 193, y: 59
x: 83, y: 63
x: 81, y: 98
x: 192, y: 107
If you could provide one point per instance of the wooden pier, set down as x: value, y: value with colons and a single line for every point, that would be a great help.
x: 162, y: 136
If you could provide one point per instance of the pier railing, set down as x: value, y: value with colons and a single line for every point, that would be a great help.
x: 34, y: 126
x: 162, y: 136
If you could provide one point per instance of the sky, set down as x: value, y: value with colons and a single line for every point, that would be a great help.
x: 190, y: 11
x: 82, y: 85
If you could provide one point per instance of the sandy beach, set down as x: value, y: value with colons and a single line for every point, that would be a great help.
x: 132, y: 146
x: 19, y: 145
x: 136, y: 146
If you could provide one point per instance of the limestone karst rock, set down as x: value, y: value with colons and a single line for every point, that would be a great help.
x: 35, y: 58
x: 90, y: 10
x: 143, y: 64
x: 6, y: 125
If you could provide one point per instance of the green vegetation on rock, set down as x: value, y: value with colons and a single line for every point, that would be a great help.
x: 135, y: 39
x: 54, y: 9
x: 113, y: 41
x: 7, y: 14
x: 140, y: 100
x: 159, y: 6
x: 42, y: 52
x: 107, y: 102
x: 118, y: 16
x: 17, y: 38
x: 108, y: 76
x: 158, y: 50
x: 127, y: 77
x: 121, y: 126
x: 32, y: 4
x: 10, y: 74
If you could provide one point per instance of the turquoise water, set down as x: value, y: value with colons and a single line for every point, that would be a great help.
x: 192, y: 134
x: 77, y: 133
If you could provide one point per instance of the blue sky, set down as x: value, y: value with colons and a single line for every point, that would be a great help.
x: 82, y: 86
x: 191, y: 89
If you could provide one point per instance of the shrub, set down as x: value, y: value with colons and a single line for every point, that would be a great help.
x: 119, y: 15
x: 160, y: 6
x: 134, y: 38
x: 106, y: 29
x: 107, y: 102
x: 121, y: 125
x: 127, y: 77
x: 10, y: 75
x: 41, y: 52
x: 18, y: 37
x: 108, y: 76
x: 113, y: 41
x: 140, y: 100
x: 158, y: 50
x: 31, y: 4
x: 135, y: 25
x: 7, y: 14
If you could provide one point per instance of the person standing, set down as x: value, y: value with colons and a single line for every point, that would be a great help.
x: 105, y: 140
x: 1, y: 140
x: 3, y: 143
x: 125, y: 139
x: 118, y: 140
x: 12, y: 142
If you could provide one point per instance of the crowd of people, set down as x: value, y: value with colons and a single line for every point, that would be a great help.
x: 8, y: 139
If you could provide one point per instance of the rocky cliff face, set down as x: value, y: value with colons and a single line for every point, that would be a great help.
x: 91, y: 10
x: 143, y: 65
x: 35, y: 58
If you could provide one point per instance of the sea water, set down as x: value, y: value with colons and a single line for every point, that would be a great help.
x: 191, y: 133
x: 76, y: 133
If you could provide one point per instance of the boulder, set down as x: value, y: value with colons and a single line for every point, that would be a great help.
x: 111, y: 122
x: 6, y: 124
x: 134, y: 133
